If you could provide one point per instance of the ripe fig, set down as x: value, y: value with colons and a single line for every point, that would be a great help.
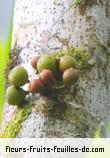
x: 47, y: 62
x: 15, y: 96
x: 36, y: 86
x: 47, y: 77
x: 18, y: 76
x: 70, y: 76
x: 66, y: 62
x: 34, y: 61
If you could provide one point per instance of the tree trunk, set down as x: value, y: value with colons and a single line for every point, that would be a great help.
x: 49, y: 26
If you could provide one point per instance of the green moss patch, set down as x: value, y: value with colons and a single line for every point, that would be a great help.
x: 78, y: 2
x: 81, y: 56
x: 13, y: 127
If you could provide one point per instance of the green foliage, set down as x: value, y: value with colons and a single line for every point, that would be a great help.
x: 13, y: 127
x: 4, y: 59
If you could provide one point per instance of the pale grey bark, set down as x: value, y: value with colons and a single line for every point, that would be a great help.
x: 50, y: 25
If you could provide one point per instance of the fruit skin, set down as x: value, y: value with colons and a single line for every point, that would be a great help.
x: 47, y: 77
x: 15, y: 96
x: 36, y: 86
x: 66, y: 62
x: 18, y: 76
x: 34, y: 61
x: 70, y: 76
x: 47, y: 62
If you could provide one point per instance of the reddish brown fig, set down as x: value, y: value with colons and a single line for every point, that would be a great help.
x: 36, y: 86
x: 47, y: 76
x: 70, y: 76
x: 34, y: 61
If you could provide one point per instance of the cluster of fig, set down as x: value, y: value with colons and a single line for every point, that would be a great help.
x: 50, y: 71
x: 17, y: 77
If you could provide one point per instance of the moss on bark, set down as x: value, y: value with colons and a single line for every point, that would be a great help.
x: 81, y: 56
x: 13, y: 127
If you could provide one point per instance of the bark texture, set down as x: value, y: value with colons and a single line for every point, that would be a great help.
x: 50, y: 25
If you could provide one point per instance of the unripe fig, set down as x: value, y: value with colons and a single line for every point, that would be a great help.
x: 70, y: 76
x: 36, y: 86
x: 47, y: 62
x: 34, y: 61
x: 47, y: 77
x: 18, y: 76
x: 66, y: 62
x: 15, y: 96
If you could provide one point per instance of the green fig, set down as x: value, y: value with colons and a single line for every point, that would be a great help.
x: 15, y: 96
x: 34, y: 61
x: 18, y: 76
x: 66, y: 62
x: 70, y: 76
x: 47, y: 62
x: 36, y: 86
x: 47, y: 77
